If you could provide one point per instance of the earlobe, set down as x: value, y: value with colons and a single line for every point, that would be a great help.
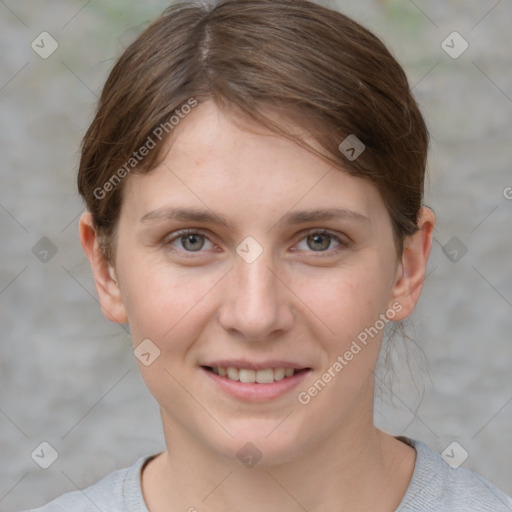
x: 105, y: 278
x: 412, y: 268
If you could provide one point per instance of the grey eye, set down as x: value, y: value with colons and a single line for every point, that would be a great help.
x: 319, y: 241
x: 192, y: 242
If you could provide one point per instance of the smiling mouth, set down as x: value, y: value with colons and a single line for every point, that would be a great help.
x: 250, y: 376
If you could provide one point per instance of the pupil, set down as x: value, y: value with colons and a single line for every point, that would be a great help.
x: 192, y: 239
x: 318, y: 239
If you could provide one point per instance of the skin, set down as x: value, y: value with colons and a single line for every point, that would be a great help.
x: 299, y: 300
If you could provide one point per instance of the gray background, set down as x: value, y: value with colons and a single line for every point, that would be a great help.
x: 69, y: 377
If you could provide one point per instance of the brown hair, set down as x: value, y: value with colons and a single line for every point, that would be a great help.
x: 313, y: 65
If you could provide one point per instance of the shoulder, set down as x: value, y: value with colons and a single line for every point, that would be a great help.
x: 437, y: 486
x: 119, y: 491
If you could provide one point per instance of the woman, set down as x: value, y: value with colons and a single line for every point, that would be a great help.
x: 254, y: 183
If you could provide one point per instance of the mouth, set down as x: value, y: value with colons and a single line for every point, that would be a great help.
x: 255, y: 384
x: 249, y: 375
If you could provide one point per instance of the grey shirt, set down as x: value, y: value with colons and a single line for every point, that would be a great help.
x: 434, y: 487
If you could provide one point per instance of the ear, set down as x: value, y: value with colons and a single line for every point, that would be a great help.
x: 104, y: 273
x: 412, y: 268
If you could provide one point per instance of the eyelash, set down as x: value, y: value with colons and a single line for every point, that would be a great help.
x: 343, y: 244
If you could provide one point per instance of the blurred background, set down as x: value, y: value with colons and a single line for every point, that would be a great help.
x: 68, y: 377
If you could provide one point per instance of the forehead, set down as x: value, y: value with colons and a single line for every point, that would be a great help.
x: 224, y: 163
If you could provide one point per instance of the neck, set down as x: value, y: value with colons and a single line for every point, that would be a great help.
x: 354, y: 468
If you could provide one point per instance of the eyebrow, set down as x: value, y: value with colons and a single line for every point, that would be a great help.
x: 209, y: 217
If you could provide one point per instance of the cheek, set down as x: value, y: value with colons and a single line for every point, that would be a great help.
x: 168, y: 309
x: 347, y: 299
x: 162, y: 301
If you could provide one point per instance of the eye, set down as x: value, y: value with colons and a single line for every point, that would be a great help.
x: 191, y: 241
x: 320, y: 241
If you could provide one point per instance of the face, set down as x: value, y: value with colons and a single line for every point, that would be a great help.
x: 244, y: 250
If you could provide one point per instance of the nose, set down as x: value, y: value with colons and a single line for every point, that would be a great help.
x: 257, y: 304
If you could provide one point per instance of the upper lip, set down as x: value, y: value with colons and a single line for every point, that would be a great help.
x: 251, y: 365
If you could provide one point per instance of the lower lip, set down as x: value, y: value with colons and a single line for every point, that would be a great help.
x: 255, y: 392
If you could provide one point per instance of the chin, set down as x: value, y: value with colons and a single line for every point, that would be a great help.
x: 262, y: 443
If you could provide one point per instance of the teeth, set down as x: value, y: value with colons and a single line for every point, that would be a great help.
x: 265, y: 376
x: 233, y: 373
x: 247, y: 375
x: 279, y: 373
